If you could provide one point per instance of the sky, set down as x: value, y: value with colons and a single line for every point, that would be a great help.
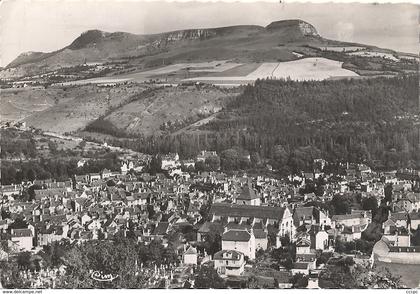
x: 48, y: 25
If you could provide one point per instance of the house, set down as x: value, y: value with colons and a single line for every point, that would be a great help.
x: 8, y: 190
x: 239, y: 240
x: 23, y: 238
x: 409, y: 202
x: 94, y: 177
x: 190, y: 256
x: 352, y: 219
x: 170, y: 161
x: 310, y: 215
x: 261, y: 240
x: 229, y: 262
x: 161, y: 230
x: 321, y: 240
x: 351, y: 233
x: 106, y: 173
x: 397, y: 235
x: 188, y: 163
x: 204, y: 155
x: 126, y: 166
x: 204, y: 230
x: 414, y: 220
x: 248, y: 195
x: 305, y: 258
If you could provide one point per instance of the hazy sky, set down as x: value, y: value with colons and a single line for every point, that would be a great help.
x: 50, y: 25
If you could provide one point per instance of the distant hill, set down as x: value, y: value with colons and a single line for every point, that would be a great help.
x: 275, y: 42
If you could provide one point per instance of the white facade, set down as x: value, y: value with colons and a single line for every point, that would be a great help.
x: 321, y: 240
x: 229, y: 266
x: 246, y: 247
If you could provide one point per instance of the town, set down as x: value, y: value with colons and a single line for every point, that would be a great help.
x: 192, y: 226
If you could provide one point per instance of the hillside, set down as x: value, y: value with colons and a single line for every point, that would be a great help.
x: 275, y: 42
x: 359, y: 120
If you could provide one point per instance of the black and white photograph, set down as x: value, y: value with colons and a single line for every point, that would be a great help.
x: 209, y: 145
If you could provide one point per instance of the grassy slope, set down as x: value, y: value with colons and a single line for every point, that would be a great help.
x: 148, y: 114
x: 77, y: 106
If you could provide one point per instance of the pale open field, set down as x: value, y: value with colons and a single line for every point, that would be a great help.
x: 205, y: 67
x: 225, y: 72
x: 315, y: 68
x: 342, y: 48
x: 375, y: 54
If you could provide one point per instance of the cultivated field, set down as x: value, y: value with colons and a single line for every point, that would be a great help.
x: 198, y: 67
x: 342, y: 48
x: 316, y: 68
x: 375, y: 54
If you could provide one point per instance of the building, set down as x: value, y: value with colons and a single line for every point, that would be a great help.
x: 170, y: 161
x: 204, y: 155
x: 384, y: 251
x: 239, y: 240
x: 229, y: 262
x: 353, y: 219
x: 23, y: 238
x: 248, y: 195
x: 190, y: 256
x: 310, y: 215
x: 281, y: 216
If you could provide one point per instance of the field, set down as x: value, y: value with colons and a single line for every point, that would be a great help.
x: 302, y: 69
x: 232, y: 73
x: 163, y: 72
x: 375, y: 54
x: 342, y: 48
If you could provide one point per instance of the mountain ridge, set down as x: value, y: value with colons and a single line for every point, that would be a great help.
x: 290, y: 29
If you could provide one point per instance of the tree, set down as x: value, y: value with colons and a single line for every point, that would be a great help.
x: 213, y: 163
x: 229, y: 159
x: 24, y: 260
x: 340, y: 204
x: 299, y: 281
x: 388, y: 192
x: 252, y: 283
x: 213, y: 240
x: 111, y: 257
x: 208, y: 278
x: 279, y: 156
x: 370, y: 203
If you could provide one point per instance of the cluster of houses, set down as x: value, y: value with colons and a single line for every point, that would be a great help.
x: 251, y: 213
